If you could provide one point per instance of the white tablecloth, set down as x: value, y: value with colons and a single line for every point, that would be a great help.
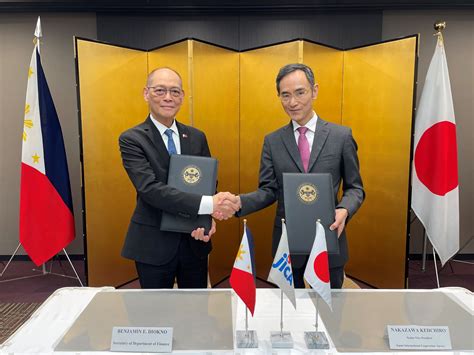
x: 45, y: 329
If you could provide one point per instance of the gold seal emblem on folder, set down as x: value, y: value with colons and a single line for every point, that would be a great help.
x: 191, y: 174
x: 307, y: 193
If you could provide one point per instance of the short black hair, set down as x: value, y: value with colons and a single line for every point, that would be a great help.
x: 290, y: 68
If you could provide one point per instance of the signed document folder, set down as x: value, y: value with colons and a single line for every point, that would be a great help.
x: 309, y: 197
x: 190, y: 173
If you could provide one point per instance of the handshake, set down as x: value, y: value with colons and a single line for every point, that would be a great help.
x: 225, y: 205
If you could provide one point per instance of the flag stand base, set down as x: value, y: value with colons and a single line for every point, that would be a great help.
x: 316, y: 340
x: 44, y: 272
x: 281, y: 340
x: 246, y: 339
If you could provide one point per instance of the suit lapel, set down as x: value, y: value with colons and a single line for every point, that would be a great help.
x: 184, y: 139
x: 288, y: 137
x: 320, y: 136
x: 155, y: 137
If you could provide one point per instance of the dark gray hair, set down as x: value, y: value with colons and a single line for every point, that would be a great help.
x: 290, y: 68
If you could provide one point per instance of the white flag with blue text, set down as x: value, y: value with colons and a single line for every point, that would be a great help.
x: 281, y: 273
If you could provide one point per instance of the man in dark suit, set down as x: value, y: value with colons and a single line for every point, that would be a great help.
x: 308, y: 144
x: 161, y: 257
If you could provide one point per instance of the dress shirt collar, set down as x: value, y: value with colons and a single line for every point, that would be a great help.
x: 311, y: 125
x: 162, y: 128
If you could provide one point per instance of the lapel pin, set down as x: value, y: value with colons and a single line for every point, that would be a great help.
x: 185, y: 135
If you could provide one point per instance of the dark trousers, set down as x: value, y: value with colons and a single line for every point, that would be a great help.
x: 336, y: 276
x: 189, y: 270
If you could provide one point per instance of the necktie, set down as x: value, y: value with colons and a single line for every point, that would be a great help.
x: 171, y: 146
x: 303, y: 147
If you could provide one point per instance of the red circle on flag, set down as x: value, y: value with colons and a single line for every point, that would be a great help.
x: 436, y: 158
x: 321, y: 266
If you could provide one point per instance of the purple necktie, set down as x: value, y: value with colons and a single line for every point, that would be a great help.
x: 303, y: 147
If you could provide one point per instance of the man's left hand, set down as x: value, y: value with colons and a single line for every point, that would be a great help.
x: 198, y: 233
x: 340, y: 221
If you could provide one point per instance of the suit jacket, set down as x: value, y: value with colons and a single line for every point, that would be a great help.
x: 334, y: 151
x: 146, y: 160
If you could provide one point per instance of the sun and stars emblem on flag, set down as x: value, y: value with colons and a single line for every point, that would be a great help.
x: 240, y: 254
x: 28, y: 123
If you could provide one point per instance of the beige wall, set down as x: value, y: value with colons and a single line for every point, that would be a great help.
x: 459, y: 43
x: 57, y: 54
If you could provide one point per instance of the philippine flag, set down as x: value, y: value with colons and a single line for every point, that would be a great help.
x: 46, y: 214
x: 317, y: 269
x: 242, y: 278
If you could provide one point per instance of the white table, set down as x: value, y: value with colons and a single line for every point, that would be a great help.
x: 45, y: 329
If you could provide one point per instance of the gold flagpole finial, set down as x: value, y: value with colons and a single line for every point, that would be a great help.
x: 282, y: 220
x: 245, y: 222
x: 439, y: 26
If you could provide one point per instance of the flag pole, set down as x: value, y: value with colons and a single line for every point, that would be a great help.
x: 281, y: 313
x: 439, y: 27
x: 281, y: 339
x: 38, y: 34
x: 435, y: 266
x: 317, y: 310
x: 281, y: 300
x: 246, y: 308
x: 246, y: 321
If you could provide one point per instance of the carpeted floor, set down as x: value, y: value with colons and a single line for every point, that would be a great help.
x: 12, y: 316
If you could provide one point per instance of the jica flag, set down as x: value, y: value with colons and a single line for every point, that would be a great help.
x: 242, y: 277
x: 46, y: 214
x: 435, y: 187
x: 317, y: 269
x: 281, y: 273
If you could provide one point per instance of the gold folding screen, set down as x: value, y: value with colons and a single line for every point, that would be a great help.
x: 111, y: 84
x: 232, y: 97
x: 327, y: 64
x: 176, y: 57
x: 216, y: 112
x: 378, y: 105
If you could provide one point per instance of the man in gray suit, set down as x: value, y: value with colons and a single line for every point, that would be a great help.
x: 308, y: 144
x: 161, y: 257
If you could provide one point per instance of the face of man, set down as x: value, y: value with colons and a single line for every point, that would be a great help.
x: 164, y: 95
x: 297, y: 95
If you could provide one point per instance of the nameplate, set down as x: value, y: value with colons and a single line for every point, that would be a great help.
x: 142, y: 339
x: 415, y: 337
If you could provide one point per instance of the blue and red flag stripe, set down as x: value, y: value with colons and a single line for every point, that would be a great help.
x: 46, y: 210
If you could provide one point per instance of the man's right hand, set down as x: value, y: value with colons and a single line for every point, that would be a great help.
x: 225, y: 205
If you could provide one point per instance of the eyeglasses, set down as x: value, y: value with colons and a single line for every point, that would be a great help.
x: 298, y: 95
x: 161, y: 91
